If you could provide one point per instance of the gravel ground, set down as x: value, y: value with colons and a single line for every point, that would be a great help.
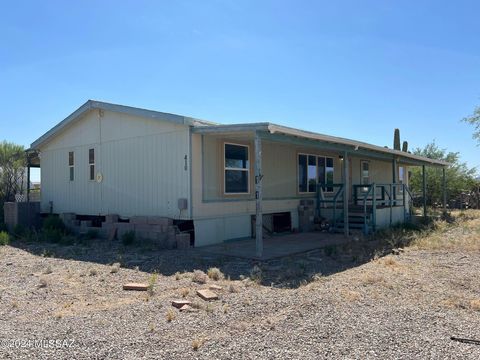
x: 404, y: 306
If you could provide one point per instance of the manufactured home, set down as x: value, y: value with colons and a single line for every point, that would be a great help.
x: 108, y: 159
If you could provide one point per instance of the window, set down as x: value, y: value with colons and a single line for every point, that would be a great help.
x: 401, y: 178
x: 237, y: 169
x: 365, y: 174
x: 313, y: 169
x: 91, y: 163
x: 71, y: 164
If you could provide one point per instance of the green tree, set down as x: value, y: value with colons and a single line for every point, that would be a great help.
x: 12, y: 171
x: 474, y: 120
x: 459, y: 176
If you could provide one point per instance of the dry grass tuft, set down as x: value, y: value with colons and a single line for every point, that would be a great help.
x: 389, y: 261
x: 349, y: 295
x: 151, y: 284
x: 115, y: 268
x: 197, y: 343
x: 454, y: 302
x: 170, y: 315
x: 197, y: 305
x: 233, y: 288
x: 48, y: 270
x: 371, y: 279
x: 151, y: 328
x: 475, y: 304
x: 199, y: 277
x: 462, y: 234
x: 215, y: 274
x: 184, y: 292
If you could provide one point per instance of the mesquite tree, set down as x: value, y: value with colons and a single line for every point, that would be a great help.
x: 474, y: 120
x: 12, y: 171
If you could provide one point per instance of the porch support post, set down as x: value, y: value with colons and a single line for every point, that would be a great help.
x: 444, y: 190
x: 346, y: 188
x: 258, y: 197
x: 393, y: 194
x: 28, y: 181
x: 424, y: 191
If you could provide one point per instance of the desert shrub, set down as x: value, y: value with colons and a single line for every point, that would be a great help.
x: 4, y: 238
x: 128, y: 238
x: 215, y: 274
x: 199, y: 277
x: 53, y: 222
x: 256, y: 274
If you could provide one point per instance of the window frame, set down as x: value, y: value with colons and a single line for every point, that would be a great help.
x: 225, y: 168
x: 401, y: 180
x: 316, y: 172
x: 90, y: 164
x: 71, y: 167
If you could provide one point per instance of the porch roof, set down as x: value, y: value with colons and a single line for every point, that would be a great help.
x: 281, y: 133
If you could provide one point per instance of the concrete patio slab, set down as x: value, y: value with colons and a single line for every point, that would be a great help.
x: 278, y: 245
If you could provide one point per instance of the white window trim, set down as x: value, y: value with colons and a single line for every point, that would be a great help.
x: 90, y: 164
x: 225, y: 168
x: 71, y: 166
x: 401, y: 180
x: 316, y: 172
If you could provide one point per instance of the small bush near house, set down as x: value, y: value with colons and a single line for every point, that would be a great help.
x: 215, y: 274
x: 53, y: 223
x: 128, y: 238
x: 4, y: 238
x: 199, y: 277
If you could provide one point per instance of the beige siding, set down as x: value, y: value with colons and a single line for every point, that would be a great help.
x: 141, y: 160
x: 280, y: 177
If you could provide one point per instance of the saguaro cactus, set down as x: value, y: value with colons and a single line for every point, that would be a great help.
x: 396, y: 139
x: 405, y: 146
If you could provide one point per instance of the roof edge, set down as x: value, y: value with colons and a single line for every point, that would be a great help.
x: 95, y: 104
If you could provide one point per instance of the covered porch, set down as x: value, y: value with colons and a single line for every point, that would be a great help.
x: 354, y: 185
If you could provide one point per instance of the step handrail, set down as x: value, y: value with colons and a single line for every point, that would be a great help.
x: 365, y: 229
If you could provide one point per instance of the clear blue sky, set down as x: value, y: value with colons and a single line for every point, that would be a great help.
x: 354, y: 69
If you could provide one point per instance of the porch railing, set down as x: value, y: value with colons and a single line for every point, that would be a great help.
x: 321, y: 199
x: 369, y: 197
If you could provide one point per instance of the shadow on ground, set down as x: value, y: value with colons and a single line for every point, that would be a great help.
x: 286, y: 272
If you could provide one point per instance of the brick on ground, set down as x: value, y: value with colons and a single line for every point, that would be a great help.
x: 207, y: 294
x: 136, y: 286
x: 215, y: 287
x: 180, y: 303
